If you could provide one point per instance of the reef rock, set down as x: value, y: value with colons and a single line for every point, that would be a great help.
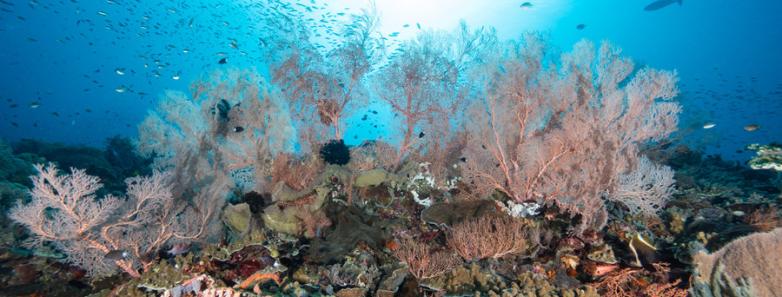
x: 282, y: 220
x: 391, y: 283
x: 371, y: 178
x: 237, y: 217
x: 448, y: 214
x: 352, y: 226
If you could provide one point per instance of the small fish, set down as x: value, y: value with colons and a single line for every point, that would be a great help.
x: 178, y: 249
x: 223, y: 61
x: 580, y: 26
x: 709, y: 125
x: 751, y: 127
x: 526, y: 5
x: 35, y: 104
x: 119, y: 71
x: 175, y: 76
x: 642, y: 249
x: 120, y: 89
x: 117, y: 255
x: 238, y: 129
x: 421, y: 135
x: 660, y: 4
x: 221, y: 109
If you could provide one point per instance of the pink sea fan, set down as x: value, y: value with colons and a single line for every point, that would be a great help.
x: 65, y: 211
x: 563, y: 133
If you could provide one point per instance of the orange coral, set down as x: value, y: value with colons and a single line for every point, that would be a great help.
x: 665, y: 290
x: 423, y: 261
x: 615, y: 284
x: 392, y: 245
x: 259, y: 277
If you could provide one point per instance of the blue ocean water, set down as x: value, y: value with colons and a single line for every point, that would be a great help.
x: 80, y: 71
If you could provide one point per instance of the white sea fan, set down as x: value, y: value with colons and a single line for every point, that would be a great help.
x: 647, y: 188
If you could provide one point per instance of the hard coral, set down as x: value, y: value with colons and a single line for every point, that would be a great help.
x: 754, y: 259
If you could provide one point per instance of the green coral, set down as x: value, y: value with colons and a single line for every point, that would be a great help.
x: 238, y: 218
x: 282, y: 220
x: 371, y: 178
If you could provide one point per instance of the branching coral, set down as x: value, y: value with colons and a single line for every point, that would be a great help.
x: 646, y: 189
x: 491, y: 237
x: 324, y: 86
x: 88, y: 229
x: 423, y: 261
x: 232, y: 124
x: 564, y: 133
x: 424, y: 85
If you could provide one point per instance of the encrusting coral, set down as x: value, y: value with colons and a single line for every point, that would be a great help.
x: 751, y: 264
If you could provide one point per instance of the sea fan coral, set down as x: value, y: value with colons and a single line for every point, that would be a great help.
x: 647, y: 188
x: 107, y: 233
x: 423, y: 261
x: 564, y: 133
x: 491, y: 237
x: 233, y: 122
x: 425, y: 85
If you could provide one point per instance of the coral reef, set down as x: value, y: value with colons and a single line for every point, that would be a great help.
x: 766, y: 156
x: 516, y: 172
